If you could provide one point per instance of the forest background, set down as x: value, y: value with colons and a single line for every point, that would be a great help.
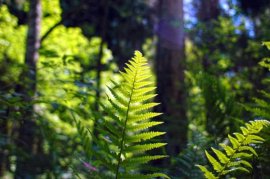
x: 57, y: 56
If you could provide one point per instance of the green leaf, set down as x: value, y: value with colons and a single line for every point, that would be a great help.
x: 141, y: 160
x: 216, y: 165
x: 240, y: 162
x: 143, y: 126
x: 248, y: 148
x: 144, y: 147
x: 229, y: 151
x: 234, y: 142
x: 140, y: 108
x: 207, y: 173
x: 141, y: 117
x: 267, y: 44
x: 221, y: 156
x: 143, y: 136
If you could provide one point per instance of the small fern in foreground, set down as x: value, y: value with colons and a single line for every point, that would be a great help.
x: 234, y: 157
x: 123, y: 136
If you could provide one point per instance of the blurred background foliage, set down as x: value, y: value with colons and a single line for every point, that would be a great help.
x: 84, y: 42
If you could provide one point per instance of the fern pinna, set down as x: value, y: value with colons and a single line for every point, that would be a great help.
x: 123, y: 136
x: 234, y: 158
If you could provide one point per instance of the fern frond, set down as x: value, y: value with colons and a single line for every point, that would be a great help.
x: 84, y: 134
x: 123, y: 129
x: 242, y: 148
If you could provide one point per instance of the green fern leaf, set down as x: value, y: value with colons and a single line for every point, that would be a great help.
x: 221, y: 156
x: 238, y: 163
x: 143, y: 126
x: 143, y: 136
x: 140, y: 99
x: 244, y: 130
x: 240, y: 155
x: 248, y: 148
x: 143, y: 147
x: 141, y: 117
x: 240, y: 137
x: 236, y: 169
x: 216, y: 165
x: 134, y: 161
x: 140, y: 108
x: 235, y: 157
x: 234, y: 142
x: 123, y: 128
x: 143, y: 91
x: 206, y: 172
x: 229, y: 151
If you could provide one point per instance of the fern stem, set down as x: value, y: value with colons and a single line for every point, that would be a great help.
x: 124, y: 129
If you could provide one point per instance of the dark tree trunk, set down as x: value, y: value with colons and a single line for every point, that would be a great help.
x: 207, y: 12
x: 100, y: 55
x: 5, y: 88
x: 4, y: 138
x: 170, y: 74
x: 27, y: 138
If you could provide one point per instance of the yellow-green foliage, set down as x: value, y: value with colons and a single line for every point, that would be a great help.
x: 12, y: 39
x: 123, y: 136
x: 235, y: 156
x: 266, y: 61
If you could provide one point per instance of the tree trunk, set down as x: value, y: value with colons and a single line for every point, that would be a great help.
x: 5, y: 88
x: 207, y: 12
x: 170, y: 74
x: 104, y: 19
x: 27, y: 138
x: 4, y: 138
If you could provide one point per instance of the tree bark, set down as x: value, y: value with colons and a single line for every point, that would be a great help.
x: 169, y: 68
x: 104, y: 19
x: 4, y: 137
x: 27, y: 136
x: 207, y: 12
x: 5, y: 88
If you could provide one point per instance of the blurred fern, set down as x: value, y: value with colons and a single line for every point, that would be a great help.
x: 123, y: 137
x: 234, y: 157
x: 261, y: 109
x: 183, y: 165
x: 221, y: 110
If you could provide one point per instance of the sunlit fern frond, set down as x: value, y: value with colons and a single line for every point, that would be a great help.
x: 235, y: 157
x: 123, y: 127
